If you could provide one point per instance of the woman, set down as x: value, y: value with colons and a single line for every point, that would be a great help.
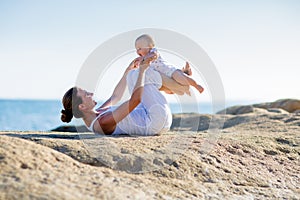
x: 145, y: 113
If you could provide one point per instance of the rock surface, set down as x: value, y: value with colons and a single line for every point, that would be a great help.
x: 282, y: 105
x: 290, y: 105
x: 248, y: 156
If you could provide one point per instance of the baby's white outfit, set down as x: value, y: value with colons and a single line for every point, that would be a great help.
x: 161, y: 65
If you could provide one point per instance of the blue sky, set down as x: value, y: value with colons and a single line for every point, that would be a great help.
x: 255, y: 45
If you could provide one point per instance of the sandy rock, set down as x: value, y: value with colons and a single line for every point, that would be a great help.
x: 297, y: 111
x: 282, y: 106
x: 237, y: 110
x: 277, y: 110
x: 261, y: 111
x: 254, y: 155
x: 31, y: 171
x: 290, y: 105
x: 76, y: 129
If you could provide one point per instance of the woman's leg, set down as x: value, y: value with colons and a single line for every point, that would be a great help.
x: 159, y: 116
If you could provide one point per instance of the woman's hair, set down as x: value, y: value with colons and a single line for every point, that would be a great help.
x: 71, y: 102
x: 148, y: 39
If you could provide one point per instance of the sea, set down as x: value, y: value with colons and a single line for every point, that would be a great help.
x: 44, y: 115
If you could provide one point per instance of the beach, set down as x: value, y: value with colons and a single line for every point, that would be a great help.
x: 244, y: 152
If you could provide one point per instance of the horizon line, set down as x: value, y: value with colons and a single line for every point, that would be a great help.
x: 102, y: 100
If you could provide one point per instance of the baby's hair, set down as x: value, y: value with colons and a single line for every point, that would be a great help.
x: 146, y: 38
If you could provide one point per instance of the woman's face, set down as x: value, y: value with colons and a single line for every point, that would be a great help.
x: 142, y: 48
x: 87, y: 98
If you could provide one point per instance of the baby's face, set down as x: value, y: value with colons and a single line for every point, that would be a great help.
x: 142, y: 48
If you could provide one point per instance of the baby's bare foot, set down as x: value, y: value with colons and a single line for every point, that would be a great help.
x: 200, y: 88
x: 187, y: 69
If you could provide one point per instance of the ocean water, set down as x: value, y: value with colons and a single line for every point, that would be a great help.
x: 44, y: 115
x: 25, y: 115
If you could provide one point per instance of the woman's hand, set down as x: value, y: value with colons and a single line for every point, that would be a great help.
x: 137, y: 61
x: 144, y: 64
x: 133, y: 65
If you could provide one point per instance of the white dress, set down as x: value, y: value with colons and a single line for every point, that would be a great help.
x: 152, y: 116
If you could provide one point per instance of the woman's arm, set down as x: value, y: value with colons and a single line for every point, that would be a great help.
x: 107, y: 122
x: 120, y: 88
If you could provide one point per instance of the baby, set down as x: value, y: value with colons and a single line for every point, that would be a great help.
x: 144, y: 45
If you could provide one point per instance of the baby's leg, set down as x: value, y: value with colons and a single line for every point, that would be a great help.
x: 187, y: 69
x: 170, y: 86
x: 181, y: 78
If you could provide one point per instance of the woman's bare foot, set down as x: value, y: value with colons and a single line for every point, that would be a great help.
x: 187, y: 69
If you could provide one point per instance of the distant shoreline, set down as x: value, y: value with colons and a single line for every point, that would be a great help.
x: 44, y: 115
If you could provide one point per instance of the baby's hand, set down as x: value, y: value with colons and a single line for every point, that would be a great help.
x: 150, y: 57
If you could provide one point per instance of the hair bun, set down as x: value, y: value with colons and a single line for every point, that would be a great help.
x: 66, y: 115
